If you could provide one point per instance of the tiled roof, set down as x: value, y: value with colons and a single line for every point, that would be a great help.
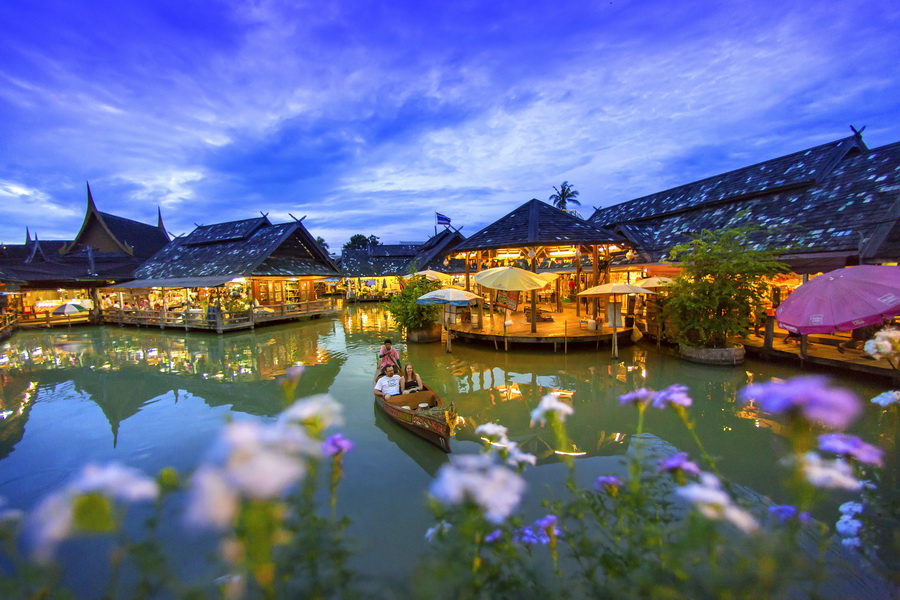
x: 378, y: 260
x: 286, y: 249
x: 537, y: 223
x: 145, y: 239
x: 797, y: 170
x: 854, y: 206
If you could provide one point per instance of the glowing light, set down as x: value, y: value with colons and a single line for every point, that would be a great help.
x: 560, y: 452
x: 570, y: 252
x: 239, y: 280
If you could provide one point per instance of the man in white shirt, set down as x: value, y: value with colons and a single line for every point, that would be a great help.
x: 389, y: 384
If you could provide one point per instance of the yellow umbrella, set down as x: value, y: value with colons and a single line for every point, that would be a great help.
x: 615, y: 289
x: 510, y: 279
x: 654, y: 282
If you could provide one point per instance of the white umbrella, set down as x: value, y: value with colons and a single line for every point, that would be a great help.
x: 433, y: 275
x: 615, y: 289
x: 510, y: 279
x: 69, y: 308
x: 451, y: 296
x: 655, y: 282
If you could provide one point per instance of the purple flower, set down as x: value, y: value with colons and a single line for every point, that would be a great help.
x: 808, y: 396
x: 678, y: 462
x: 336, y: 444
x: 526, y: 536
x: 672, y: 395
x: 852, y: 446
x: 608, y: 483
x: 494, y: 536
x: 547, y: 522
x: 641, y: 396
x: 786, y: 512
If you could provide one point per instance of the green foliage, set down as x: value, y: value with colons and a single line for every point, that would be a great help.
x: 404, y: 308
x: 360, y: 242
x: 722, y: 282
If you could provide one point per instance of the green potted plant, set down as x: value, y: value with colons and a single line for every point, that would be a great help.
x: 712, y: 303
x: 421, y: 322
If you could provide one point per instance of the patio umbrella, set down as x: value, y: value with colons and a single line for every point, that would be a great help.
x: 510, y: 279
x: 654, y: 282
x: 614, y: 289
x: 842, y: 300
x: 451, y: 296
x: 69, y: 308
x: 433, y: 275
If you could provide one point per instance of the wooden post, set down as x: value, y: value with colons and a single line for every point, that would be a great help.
x: 534, y: 294
x: 566, y: 337
x: 803, y: 345
x: 467, y: 271
x: 218, y: 320
x: 770, y: 332
x: 577, y: 281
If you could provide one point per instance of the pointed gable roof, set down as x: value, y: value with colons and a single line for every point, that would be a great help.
x: 798, y: 170
x: 536, y: 223
x: 110, y: 233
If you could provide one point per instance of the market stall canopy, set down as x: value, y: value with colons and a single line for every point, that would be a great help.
x: 510, y: 279
x: 432, y: 275
x: 177, y: 282
x: 842, y: 300
x: 451, y: 296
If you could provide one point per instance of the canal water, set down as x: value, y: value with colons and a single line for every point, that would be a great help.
x: 153, y: 399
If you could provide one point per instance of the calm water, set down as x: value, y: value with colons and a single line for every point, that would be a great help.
x: 152, y: 399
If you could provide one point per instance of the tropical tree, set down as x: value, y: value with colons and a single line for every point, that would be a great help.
x: 322, y: 243
x: 564, y: 195
x: 360, y: 242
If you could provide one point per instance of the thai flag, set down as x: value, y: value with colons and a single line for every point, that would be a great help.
x: 442, y: 219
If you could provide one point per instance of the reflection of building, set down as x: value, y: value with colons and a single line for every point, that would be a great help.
x: 16, y: 395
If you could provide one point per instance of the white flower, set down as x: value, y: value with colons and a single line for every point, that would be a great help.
x: 885, y: 399
x: 550, y: 403
x: 714, y: 503
x: 494, y: 488
x: 212, y: 501
x: 515, y: 457
x: 847, y: 526
x: 441, y: 527
x: 832, y: 474
x: 53, y: 519
x: 321, y: 407
x: 493, y: 431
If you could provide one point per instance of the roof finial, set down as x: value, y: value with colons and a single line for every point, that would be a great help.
x: 27, y: 235
x: 857, y: 132
x: 159, y: 222
x: 91, y: 205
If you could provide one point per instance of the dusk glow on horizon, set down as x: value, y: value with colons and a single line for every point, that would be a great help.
x: 368, y: 117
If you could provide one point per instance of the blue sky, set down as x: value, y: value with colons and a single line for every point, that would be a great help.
x: 369, y: 116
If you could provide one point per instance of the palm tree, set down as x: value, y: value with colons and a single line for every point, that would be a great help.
x: 321, y: 242
x: 564, y: 195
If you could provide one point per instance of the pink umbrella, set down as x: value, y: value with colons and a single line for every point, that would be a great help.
x: 842, y: 300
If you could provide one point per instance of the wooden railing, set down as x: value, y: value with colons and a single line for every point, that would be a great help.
x: 46, y: 318
x: 214, y: 320
x: 8, y: 324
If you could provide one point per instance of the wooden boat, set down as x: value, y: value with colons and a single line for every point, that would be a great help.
x: 424, y: 414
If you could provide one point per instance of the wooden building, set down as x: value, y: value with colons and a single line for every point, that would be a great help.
x: 228, y: 276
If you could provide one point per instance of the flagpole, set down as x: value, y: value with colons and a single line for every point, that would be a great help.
x: 435, y: 223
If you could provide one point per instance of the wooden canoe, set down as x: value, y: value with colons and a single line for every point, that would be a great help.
x: 434, y: 423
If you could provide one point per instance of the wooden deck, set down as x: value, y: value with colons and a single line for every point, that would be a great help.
x: 565, y: 328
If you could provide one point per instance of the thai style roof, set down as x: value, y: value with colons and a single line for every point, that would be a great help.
x: 378, y: 260
x: 535, y: 224
x: 250, y: 247
x: 111, y: 233
x: 840, y: 200
x: 431, y: 254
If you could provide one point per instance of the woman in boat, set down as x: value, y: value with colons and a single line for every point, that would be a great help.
x: 411, y: 380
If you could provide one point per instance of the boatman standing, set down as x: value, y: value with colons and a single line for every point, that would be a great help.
x: 389, y: 384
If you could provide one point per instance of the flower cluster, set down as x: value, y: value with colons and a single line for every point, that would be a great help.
x: 809, y: 397
x: 829, y: 474
x: 785, y: 513
x: 885, y: 344
x: 848, y: 526
x: 609, y: 484
x: 494, y: 488
x: 541, y: 532
x: 55, y: 518
x: 714, y: 503
x: 260, y: 461
x: 550, y: 404
x: 852, y: 447
x: 496, y: 436
x: 674, y: 395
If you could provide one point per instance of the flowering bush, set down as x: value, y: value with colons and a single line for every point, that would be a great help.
x: 662, y: 525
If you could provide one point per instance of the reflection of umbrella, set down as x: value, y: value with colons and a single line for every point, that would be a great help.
x: 451, y: 296
x: 615, y: 289
x: 69, y: 308
x: 842, y: 300
x: 654, y: 282
x: 510, y: 279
